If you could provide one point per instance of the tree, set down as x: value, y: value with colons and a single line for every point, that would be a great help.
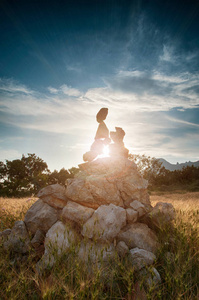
x: 24, y: 176
x: 149, y: 167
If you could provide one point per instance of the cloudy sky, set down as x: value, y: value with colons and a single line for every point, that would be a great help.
x: 61, y: 61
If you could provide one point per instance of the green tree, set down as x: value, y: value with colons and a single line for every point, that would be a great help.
x: 61, y: 176
x: 149, y: 167
x: 24, y: 176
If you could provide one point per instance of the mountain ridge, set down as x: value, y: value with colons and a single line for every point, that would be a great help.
x: 178, y: 166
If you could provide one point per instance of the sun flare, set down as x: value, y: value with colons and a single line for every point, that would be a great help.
x: 106, y: 150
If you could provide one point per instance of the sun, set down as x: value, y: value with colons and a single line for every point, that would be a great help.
x: 106, y: 151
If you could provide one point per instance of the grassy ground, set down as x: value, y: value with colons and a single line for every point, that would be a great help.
x: 177, y: 262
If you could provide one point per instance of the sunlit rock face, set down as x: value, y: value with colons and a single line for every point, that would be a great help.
x: 107, y: 180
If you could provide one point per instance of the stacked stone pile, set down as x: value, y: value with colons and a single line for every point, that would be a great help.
x: 105, y: 208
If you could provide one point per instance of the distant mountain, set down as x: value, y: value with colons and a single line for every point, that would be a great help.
x: 172, y: 167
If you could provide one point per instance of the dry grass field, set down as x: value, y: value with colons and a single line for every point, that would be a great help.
x: 185, y: 201
x: 15, y: 205
x: 69, y: 279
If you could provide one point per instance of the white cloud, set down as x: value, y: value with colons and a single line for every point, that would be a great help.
x: 53, y: 90
x: 74, y: 69
x: 167, y: 54
x: 183, y: 122
x: 11, y: 86
x: 139, y: 112
x: 70, y: 91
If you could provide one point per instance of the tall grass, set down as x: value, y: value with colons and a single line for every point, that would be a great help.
x: 177, y: 262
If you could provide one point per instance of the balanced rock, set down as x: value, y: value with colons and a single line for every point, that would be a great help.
x: 107, y: 180
x: 105, y: 223
x: 139, y: 235
x: 40, y: 216
x: 18, y: 239
x: 102, y: 132
x: 102, y: 114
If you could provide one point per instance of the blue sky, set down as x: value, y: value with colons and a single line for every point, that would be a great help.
x: 61, y: 61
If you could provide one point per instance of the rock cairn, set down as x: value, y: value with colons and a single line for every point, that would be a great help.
x: 104, y: 209
x: 101, y: 138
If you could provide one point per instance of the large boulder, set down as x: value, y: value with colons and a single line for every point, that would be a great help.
x: 18, y: 239
x: 40, y: 216
x: 54, y: 195
x: 76, y: 213
x: 139, y: 235
x: 107, y: 180
x: 92, y: 252
x: 162, y: 214
x: 105, y: 223
x: 93, y: 191
x: 59, y: 239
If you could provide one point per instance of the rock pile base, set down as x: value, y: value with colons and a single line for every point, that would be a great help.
x: 104, y: 209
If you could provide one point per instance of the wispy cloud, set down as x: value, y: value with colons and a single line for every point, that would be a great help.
x: 52, y: 90
x: 167, y: 54
x: 66, y: 90
x: 138, y: 101
x: 11, y: 86
x: 183, y: 122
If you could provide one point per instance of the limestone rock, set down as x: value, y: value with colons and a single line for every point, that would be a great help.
x: 90, y: 155
x: 40, y: 216
x: 58, y: 239
x: 4, y: 234
x: 102, y: 131
x: 54, y: 195
x: 76, y: 212
x: 139, y: 235
x: 122, y: 249
x: 93, y: 191
x: 141, y: 258
x: 105, y: 223
x: 118, y: 135
x: 18, y: 239
x: 151, y: 278
x: 92, y: 252
x: 107, y: 180
x: 139, y: 207
x: 38, y: 239
x: 102, y: 114
x: 131, y: 215
x: 162, y: 214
